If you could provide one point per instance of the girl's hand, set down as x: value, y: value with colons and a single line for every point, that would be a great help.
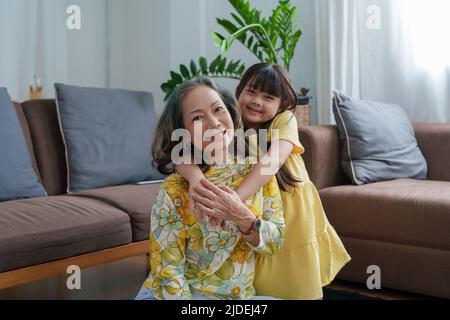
x: 222, y: 202
x: 192, y: 203
x: 201, y: 216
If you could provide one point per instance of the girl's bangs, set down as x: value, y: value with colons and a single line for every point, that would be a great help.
x: 267, y: 80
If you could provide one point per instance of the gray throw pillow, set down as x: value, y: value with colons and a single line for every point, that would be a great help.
x: 378, y: 141
x: 107, y: 134
x: 17, y: 177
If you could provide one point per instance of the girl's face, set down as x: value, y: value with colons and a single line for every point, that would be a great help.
x: 257, y: 106
x: 207, y: 118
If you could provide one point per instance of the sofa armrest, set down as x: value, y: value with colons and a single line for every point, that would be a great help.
x: 322, y: 155
x: 434, y: 142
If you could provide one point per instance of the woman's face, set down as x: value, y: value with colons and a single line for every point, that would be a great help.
x: 207, y: 119
x: 257, y: 107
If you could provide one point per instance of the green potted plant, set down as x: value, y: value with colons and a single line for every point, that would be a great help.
x: 272, y: 39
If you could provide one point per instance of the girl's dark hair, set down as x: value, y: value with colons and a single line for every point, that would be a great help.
x: 274, y: 80
x: 172, y: 119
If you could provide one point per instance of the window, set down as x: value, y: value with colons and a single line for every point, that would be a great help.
x: 429, y: 25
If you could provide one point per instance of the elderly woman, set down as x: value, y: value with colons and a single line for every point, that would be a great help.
x: 191, y: 259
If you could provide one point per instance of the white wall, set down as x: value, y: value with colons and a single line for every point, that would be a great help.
x: 86, y: 47
x: 140, y: 46
x: 150, y: 38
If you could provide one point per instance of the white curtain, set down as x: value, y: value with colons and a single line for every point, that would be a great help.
x: 33, y: 41
x: 393, y: 51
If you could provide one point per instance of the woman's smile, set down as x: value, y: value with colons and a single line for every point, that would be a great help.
x: 215, y: 135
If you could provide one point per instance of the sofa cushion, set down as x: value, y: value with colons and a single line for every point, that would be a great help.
x: 136, y: 200
x: 41, y: 230
x: 107, y: 135
x: 42, y: 120
x: 18, y: 180
x: 403, y: 211
x: 378, y: 141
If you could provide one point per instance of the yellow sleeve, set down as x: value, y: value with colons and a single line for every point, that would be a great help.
x: 284, y: 127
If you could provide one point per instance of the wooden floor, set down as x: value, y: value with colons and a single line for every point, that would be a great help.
x: 96, y: 284
x: 386, y: 294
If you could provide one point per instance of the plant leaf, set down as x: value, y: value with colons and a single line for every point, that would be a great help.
x: 218, y: 39
x: 166, y: 87
x: 238, y: 20
x: 184, y: 72
x: 203, y: 65
x: 250, y: 42
x: 222, y: 65
x: 228, y: 25
x: 213, y: 65
x: 193, y: 68
x: 176, y: 77
x: 229, y: 68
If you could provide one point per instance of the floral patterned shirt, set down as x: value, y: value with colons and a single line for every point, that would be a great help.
x: 191, y: 257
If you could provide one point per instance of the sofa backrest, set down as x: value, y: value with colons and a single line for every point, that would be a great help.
x: 322, y: 155
x: 323, y: 152
x: 49, y: 151
x: 39, y: 121
x: 434, y: 142
x: 26, y: 132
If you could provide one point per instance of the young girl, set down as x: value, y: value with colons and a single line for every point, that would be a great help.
x: 312, y: 253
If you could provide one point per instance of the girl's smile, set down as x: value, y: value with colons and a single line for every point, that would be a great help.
x: 254, y: 110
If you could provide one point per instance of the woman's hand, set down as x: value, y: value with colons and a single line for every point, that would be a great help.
x: 194, y: 205
x: 223, y: 203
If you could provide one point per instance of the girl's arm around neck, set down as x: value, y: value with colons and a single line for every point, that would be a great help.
x: 191, y: 172
x: 266, y: 168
